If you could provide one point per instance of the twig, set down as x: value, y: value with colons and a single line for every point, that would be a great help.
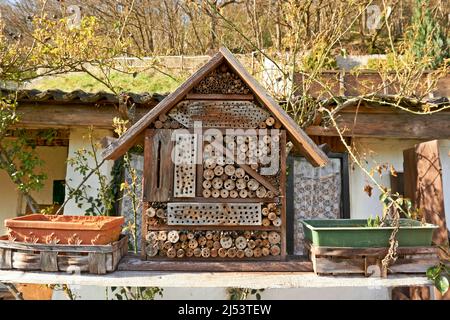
x: 69, y: 197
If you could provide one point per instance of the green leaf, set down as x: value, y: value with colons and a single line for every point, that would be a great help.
x: 383, y: 196
x: 441, y: 284
x: 433, y: 272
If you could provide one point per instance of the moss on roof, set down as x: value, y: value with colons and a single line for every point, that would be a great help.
x: 142, y: 82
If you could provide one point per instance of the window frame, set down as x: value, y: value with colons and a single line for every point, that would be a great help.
x: 345, y: 194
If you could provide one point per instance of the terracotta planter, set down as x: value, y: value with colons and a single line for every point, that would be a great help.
x: 75, y: 230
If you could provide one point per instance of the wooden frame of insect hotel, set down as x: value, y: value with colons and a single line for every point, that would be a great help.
x: 214, y: 176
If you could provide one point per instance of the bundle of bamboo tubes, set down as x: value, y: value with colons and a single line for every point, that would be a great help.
x: 222, y: 81
x: 205, y: 244
x: 164, y: 122
x: 156, y: 215
x: 271, y: 215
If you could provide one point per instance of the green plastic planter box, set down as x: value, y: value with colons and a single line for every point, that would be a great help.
x: 354, y: 233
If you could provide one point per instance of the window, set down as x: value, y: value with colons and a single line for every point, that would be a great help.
x: 315, y: 193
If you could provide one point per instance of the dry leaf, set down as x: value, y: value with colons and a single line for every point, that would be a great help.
x: 393, y: 171
x: 368, y: 189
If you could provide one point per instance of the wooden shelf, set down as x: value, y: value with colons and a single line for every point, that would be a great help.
x: 270, y: 275
x: 215, y: 227
x: 263, y: 264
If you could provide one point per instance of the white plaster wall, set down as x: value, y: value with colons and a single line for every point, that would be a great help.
x: 390, y: 151
x: 377, y: 151
x: 444, y: 155
x: 99, y: 293
x: 78, y: 140
x: 8, y: 199
x: 54, y: 166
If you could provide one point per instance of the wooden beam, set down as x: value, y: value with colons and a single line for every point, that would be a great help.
x: 252, y: 172
x: 259, y: 178
x: 64, y: 116
x: 404, y: 126
x: 306, y: 146
x: 283, y: 160
x: 125, y: 142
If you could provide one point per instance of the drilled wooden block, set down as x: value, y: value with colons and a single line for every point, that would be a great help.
x: 185, y: 165
x: 214, y: 214
x: 219, y: 114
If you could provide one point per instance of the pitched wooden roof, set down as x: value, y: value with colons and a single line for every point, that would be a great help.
x: 298, y: 137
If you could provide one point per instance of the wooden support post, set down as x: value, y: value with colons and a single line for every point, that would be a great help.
x: 283, y: 192
x: 144, y: 230
x: 423, y: 184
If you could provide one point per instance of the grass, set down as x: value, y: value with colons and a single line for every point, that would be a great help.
x: 154, y: 82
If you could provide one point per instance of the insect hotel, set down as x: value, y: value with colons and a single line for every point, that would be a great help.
x: 214, y: 176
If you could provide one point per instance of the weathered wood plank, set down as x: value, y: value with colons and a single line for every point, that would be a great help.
x: 27, y: 257
x: 404, y: 125
x: 5, y: 258
x: 158, y: 164
x: 332, y: 260
x: 283, y: 160
x: 331, y: 251
x: 413, y: 265
x: 144, y: 229
x: 25, y: 261
x: 109, y: 262
x: 73, y: 264
x: 49, y: 261
x: 97, y: 263
x: 339, y: 265
x: 430, y: 192
x: 132, y: 263
x: 261, y: 179
x: 63, y: 116
x: 409, y: 173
